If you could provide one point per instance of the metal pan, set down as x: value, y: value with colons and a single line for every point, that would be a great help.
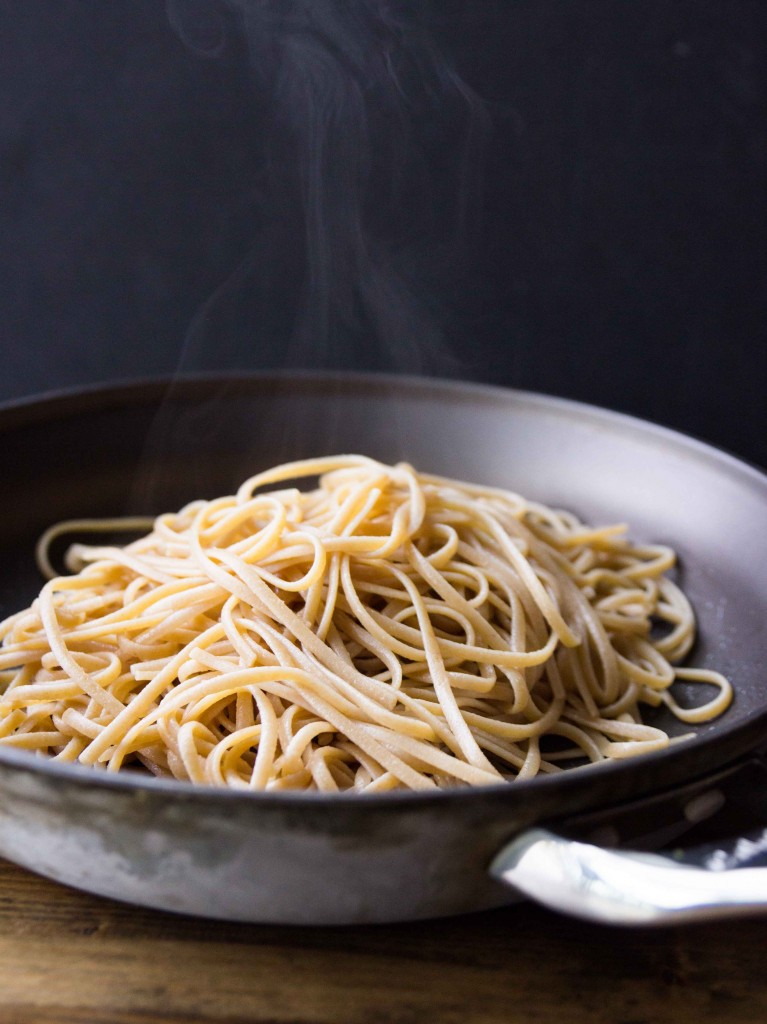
x: 304, y: 858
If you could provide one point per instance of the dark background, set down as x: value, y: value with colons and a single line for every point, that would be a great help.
x: 613, y: 248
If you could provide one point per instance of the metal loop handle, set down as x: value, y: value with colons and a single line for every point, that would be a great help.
x: 627, y: 888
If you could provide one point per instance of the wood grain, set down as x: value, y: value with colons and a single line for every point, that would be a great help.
x: 69, y: 958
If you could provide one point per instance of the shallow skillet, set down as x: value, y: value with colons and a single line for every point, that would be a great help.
x: 150, y: 447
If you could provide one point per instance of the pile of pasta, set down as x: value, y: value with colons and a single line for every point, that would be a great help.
x: 377, y: 628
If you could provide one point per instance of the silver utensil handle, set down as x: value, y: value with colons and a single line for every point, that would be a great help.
x: 628, y: 888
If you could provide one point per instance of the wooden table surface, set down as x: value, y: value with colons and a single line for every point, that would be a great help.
x: 69, y: 958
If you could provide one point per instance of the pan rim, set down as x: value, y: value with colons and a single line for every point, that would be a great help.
x: 75, y: 400
x: 28, y: 408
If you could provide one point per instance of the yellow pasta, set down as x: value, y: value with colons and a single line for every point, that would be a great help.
x: 379, y: 629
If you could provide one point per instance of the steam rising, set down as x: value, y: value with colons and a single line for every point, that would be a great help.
x: 372, y: 158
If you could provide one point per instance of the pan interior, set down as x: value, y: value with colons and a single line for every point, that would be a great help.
x: 148, y: 448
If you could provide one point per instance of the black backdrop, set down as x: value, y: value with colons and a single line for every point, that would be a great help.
x: 612, y: 248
